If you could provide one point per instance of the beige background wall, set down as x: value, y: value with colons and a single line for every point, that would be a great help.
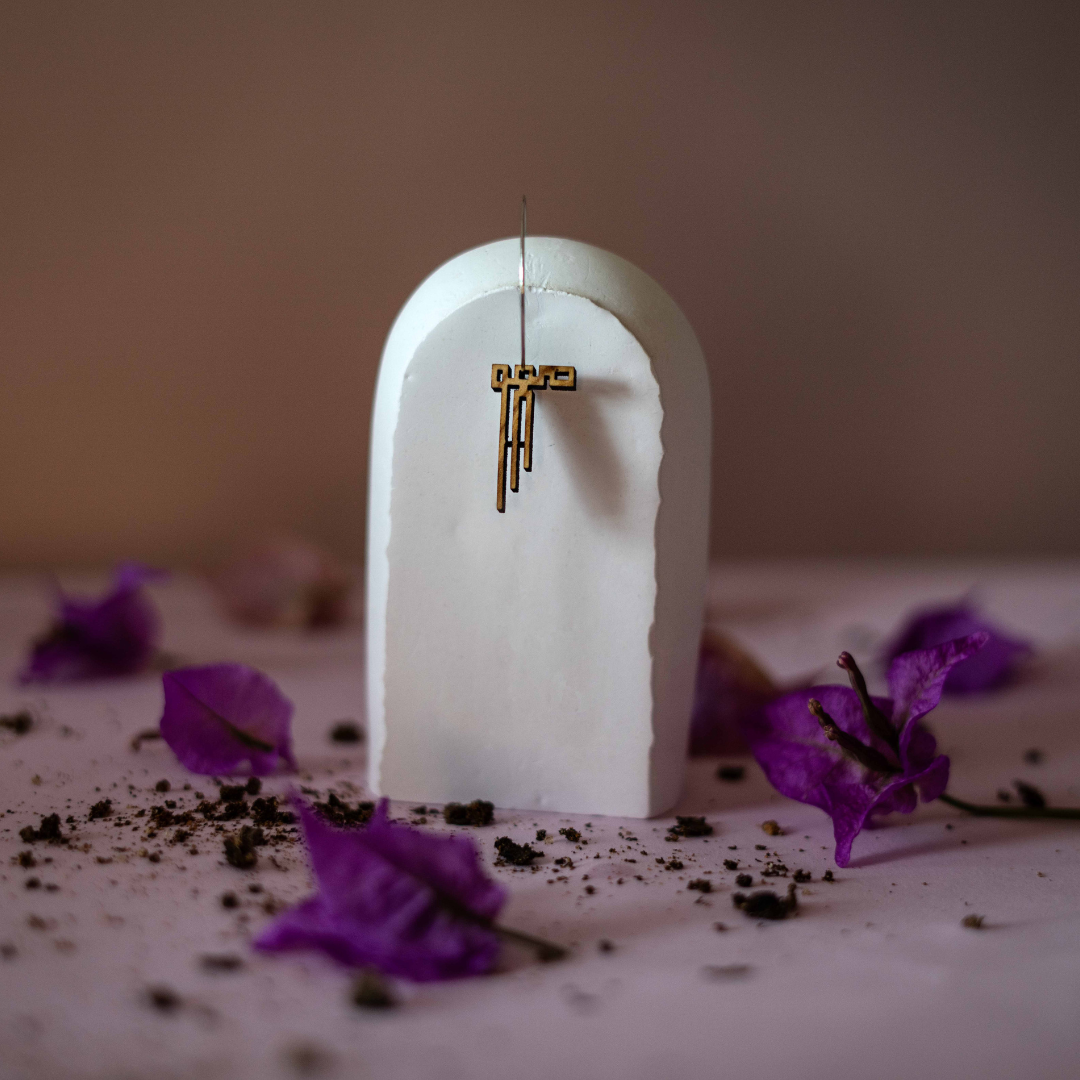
x: 211, y: 212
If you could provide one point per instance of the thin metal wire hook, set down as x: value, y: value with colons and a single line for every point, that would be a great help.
x: 521, y: 276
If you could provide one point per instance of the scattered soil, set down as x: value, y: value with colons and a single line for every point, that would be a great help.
x: 264, y: 811
x: 240, y: 847
x: 767, y: 905
x: 346, y: 731
x: 515, y: 854
x: 49, y: 831
x: 20, y: 722
x: 339, y: 812
x: 726, y: 972
x: 688, y: 827
x: 371, y: 991
x: 232, y: 810
x: 221, y: 962
x: 144, y: 736
x: 1030, y: 795
x: 478, y: 812
x: 163, y: 998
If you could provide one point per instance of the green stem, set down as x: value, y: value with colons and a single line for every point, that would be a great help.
x: 546, y: 951
x: 1069, y: 812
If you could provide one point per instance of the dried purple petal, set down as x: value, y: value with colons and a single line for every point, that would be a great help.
x: 409, y: 903
x: 92, y: 639
x: 994, y: 664
x: 216, y: 718
x: 803, y: 763
x: 730, y: 687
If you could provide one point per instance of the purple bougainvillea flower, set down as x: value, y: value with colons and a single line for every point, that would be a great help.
x: 216, y: 718
x: 93, y: 639
x: 410, y: 903
x: 994, y: 664
x: 730, y: 687
x: 854, y: 756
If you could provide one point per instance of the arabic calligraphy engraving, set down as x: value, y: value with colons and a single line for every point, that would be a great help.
x: 516, y: 412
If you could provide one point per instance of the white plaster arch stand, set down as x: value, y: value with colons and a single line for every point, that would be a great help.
x: 544, y: 657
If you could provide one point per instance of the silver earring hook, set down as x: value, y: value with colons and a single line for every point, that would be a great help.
x: 521, y: 276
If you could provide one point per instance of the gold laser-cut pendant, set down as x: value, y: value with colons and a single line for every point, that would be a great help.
x: 522, y: 388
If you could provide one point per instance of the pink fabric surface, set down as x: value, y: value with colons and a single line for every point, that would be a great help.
x: 875, y: 976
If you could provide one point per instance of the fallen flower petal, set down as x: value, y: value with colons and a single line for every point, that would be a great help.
x: 820, y: 745
x: 93, y: 639
x: 409, y: 903
x: 730, y: 686
x: 216, y: 718
x: 994, y: 664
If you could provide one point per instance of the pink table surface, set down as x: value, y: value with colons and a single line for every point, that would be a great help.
x: 875, y: 978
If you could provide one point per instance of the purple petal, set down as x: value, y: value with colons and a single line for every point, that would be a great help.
x: 412, y: 904
x: 129, y: 576
x: 934, y: 779
x: 855, y: 808
x: 90, y: 639
x: 851, y: 805
x: 449, y: 864
x: 799, y: 760
x: 730, y: 687
x: 902, y: 798
x: 991, y: 667
x: 218, y: 717
x: 918, y: 748
x: 916, y: 678
x: 801, y: 763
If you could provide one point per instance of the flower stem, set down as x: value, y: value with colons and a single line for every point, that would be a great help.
x: 546, y: 951
x: 1070, y: 812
